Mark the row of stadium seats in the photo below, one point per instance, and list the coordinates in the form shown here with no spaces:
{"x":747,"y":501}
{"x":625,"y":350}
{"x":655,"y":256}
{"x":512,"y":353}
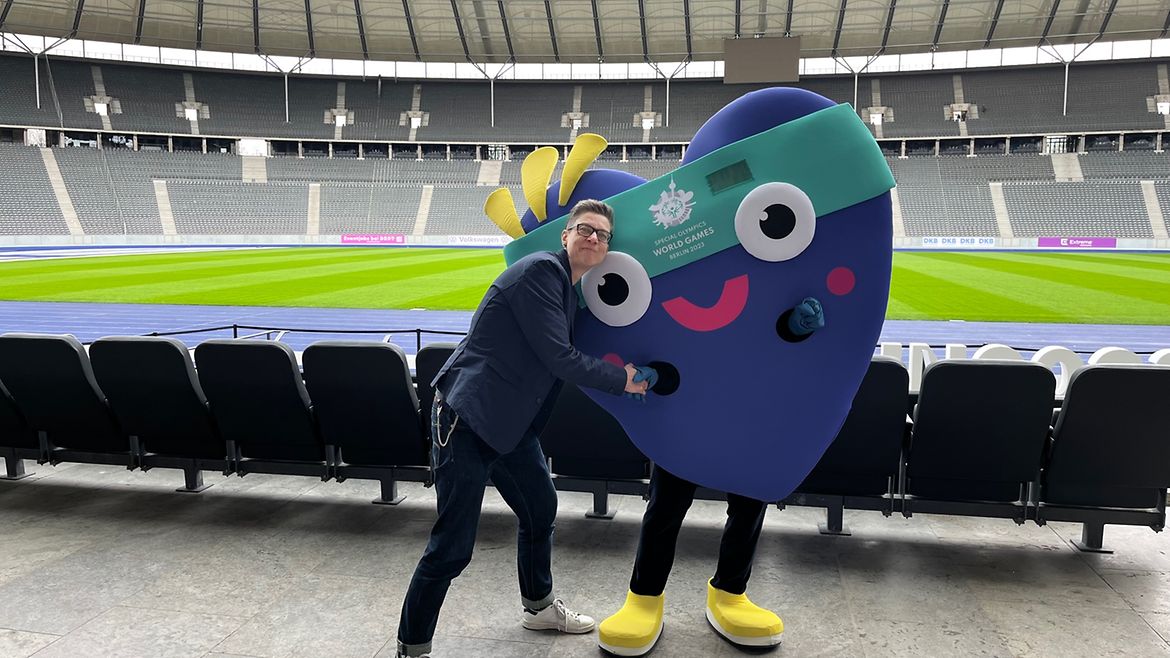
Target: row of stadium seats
{"x":113,"y":191}
{"x":1112,"y":96}
{"x":984,"y":439}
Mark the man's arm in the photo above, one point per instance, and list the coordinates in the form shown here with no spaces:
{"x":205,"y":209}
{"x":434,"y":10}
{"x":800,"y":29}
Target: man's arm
{"x":537,"y":303}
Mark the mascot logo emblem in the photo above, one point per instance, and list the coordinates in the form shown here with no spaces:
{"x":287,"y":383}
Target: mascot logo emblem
{"x":673,"y":207}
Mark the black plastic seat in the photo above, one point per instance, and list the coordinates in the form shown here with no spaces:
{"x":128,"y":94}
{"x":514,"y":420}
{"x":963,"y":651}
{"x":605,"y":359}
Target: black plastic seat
{"x":861,"y":469}
{"x":978,"y":439}
{"x":367,"y":410}
{"x":427,"y":364}
{"x":589,"y":451}
{"x":18,"y":441}
{"x":1109,"y":459}
{"x":153,"y":390}
{"x":52,"y":382}
{"x":261,"y":406}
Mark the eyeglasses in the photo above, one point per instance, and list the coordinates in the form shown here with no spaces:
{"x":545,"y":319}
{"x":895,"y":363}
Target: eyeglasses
{"x":585,"y":230}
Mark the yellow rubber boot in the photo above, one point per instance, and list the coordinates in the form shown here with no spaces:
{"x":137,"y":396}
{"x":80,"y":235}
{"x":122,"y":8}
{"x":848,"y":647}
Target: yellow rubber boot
{"x":633,"y":630}
{"x":740,"y":621}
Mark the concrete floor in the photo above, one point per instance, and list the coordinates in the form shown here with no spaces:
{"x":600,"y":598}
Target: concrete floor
{"x":98,"y":561}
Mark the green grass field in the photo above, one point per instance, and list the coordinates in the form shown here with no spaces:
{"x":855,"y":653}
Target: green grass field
{"x":1012,"y":287}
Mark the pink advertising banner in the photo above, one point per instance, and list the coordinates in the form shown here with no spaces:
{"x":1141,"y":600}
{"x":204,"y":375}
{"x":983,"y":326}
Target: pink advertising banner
{"x":1078,"y":243}
{"x":373,"y":238}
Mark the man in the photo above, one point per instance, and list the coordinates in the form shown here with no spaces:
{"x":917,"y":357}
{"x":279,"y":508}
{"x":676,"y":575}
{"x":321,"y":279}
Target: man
{"x":492,"y":397}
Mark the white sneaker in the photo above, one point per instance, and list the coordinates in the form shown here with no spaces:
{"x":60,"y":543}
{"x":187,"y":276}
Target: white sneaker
{"x":558,"y":617}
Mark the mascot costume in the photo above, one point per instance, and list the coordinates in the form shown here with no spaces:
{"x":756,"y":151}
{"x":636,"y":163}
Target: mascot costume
{"x":754,"y":279}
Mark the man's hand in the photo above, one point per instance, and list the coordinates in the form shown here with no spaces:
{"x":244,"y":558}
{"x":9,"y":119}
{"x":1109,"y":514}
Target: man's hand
{"x":806,"y":317}
{"x":636,"y":382}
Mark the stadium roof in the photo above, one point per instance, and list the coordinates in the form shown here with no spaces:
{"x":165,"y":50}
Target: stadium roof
{"x":581,"y":30}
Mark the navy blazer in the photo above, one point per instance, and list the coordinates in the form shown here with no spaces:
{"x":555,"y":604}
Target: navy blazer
{"x":505,"y":375}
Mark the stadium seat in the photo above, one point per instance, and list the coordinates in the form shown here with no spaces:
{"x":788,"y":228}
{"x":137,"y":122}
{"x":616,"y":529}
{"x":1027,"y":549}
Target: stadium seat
{"x":52,"y":382}
{"x":427,"y":364}
{"x":589,"y":451}
{"x":17,"y":440}
{"x":262,"y":408}
{"x":368,"y":413}
{"x":862,"y":467}
{"x":1109,"y":458}
{"x":978,"y":438}
{"x":155,"y":394}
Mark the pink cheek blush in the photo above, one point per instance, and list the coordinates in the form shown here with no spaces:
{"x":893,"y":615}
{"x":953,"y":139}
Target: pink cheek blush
{"x":614,"y":359}
{"x":840,"y":281}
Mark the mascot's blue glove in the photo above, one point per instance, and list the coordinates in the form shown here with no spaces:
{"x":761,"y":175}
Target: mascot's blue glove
{"x":646,"y":374}
{"x":806,"y":317}
{"x":643,"y":374}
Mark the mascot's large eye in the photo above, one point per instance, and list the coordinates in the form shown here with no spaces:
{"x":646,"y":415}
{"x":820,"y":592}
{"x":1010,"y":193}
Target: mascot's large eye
{"x":618,"y":290}
{"x":775,"y":222}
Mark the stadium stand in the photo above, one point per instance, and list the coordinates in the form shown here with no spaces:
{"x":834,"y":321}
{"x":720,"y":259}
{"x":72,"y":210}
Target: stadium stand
{"x":917,"y":102}
{"x":525,"y":112}
{"x":73,"y":82}
{"x":1089,"y":208}
{"x":457,"y":212}
{"x":611,"y":108}
{"x":934,"y":205}
{"x":21,"y":108}
{"x":368,"y":208}
{"x":27,"y":203}
{"x":267,"y":417}
{"x":238,"y":208}
{"x":147,"y":96}
{"x":1014,"y":100}
{"x":1007,"y":101}
{"x":377,"y":108}
{"x":1108,"y":94}
{"x":91,"y":188}
{"x":462,"y":112}
{"x":249,"y":105}
{"x":113,"y":192}
{"x":1140,"y":165}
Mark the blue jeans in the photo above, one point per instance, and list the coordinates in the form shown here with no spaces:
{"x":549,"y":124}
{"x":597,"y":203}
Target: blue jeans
{"x":462,"y":464}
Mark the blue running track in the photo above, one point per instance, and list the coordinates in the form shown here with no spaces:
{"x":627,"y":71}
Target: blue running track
{"x":89,"y":321}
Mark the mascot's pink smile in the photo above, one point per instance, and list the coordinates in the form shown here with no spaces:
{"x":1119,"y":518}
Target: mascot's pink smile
{"x":731,"y":303}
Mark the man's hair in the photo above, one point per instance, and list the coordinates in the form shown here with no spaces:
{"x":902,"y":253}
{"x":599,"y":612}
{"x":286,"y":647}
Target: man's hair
{"x":594,"y":206}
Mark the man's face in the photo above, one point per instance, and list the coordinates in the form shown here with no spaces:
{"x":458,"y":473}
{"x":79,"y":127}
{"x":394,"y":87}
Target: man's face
{"x":586,"y":252}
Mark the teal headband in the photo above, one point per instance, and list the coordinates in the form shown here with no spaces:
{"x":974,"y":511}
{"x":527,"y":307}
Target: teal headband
{"x":689,"y":213}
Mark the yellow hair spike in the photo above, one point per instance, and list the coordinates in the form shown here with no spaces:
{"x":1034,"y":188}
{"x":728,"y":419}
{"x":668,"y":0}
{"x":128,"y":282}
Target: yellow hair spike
{"x":585,"y":150}
{"x":535,"y":174}
{"x":500,"y":208}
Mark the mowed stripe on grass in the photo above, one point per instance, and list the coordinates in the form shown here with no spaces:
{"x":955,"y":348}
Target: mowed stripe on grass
{"x":325,"y":277}
{"x":1104,"y":288}
{"x":1034,"y":287}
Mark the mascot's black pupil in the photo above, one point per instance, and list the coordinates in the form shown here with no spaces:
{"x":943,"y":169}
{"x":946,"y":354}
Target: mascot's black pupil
{"x":613,"y":289}
{"x":778,"y":221}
